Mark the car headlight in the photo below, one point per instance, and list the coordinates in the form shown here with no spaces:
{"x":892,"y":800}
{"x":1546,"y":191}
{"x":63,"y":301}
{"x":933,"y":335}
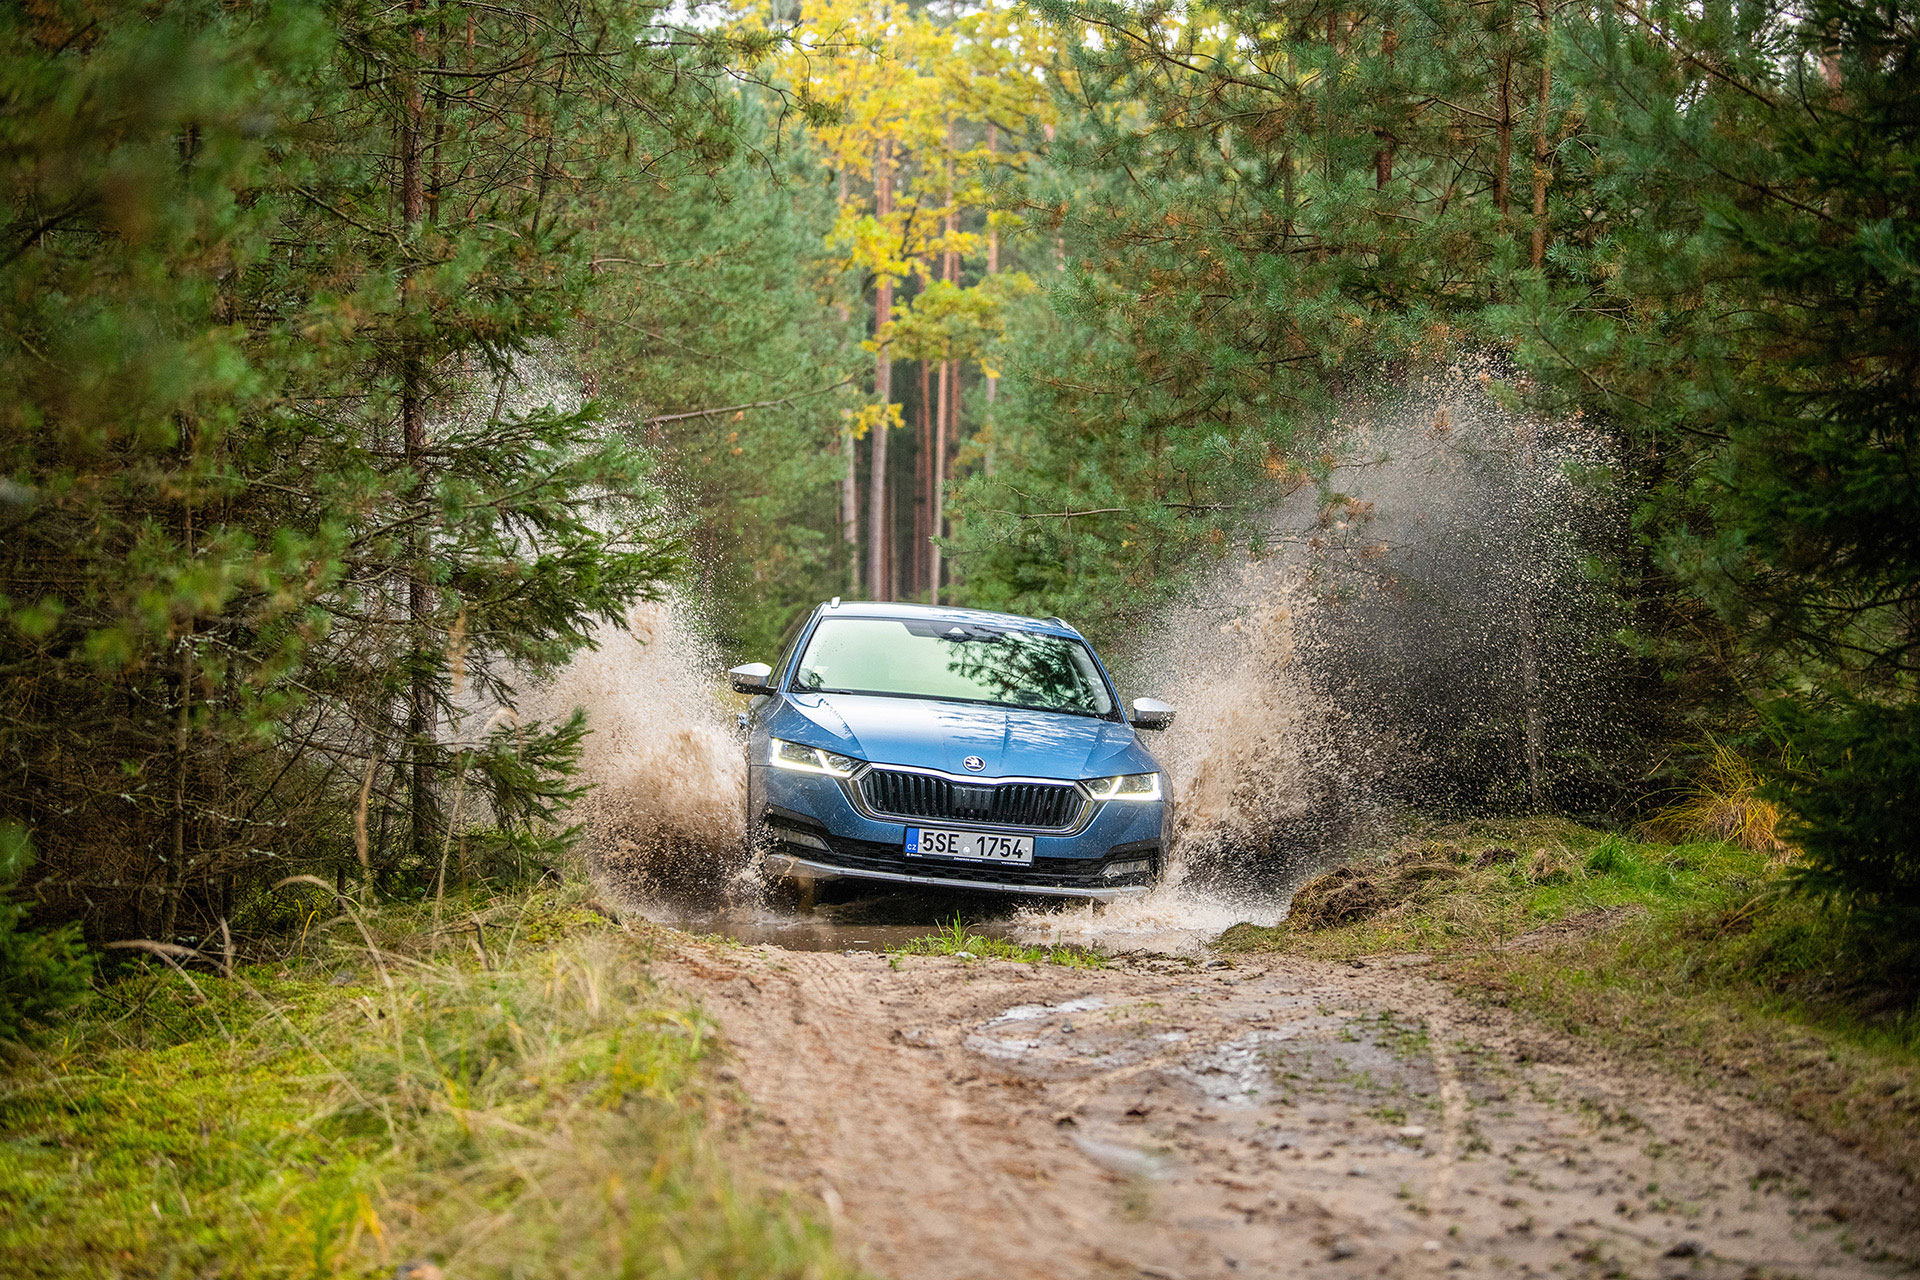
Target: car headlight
{"x":1128,"y":786}
{"x":791,"y":755}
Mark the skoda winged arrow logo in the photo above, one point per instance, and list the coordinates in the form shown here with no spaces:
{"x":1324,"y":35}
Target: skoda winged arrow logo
{"x":974,"y":764}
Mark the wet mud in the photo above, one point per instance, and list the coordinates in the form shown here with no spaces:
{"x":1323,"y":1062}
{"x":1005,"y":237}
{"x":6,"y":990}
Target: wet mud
{"x":1176,"y":919}
{"x":1172,"y":1118}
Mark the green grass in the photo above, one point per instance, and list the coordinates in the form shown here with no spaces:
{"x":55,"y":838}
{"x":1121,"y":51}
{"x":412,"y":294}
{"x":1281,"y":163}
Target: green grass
{"x":1689,"y":954}
{"x":956,"y":939}
{"x":530,"y":1105}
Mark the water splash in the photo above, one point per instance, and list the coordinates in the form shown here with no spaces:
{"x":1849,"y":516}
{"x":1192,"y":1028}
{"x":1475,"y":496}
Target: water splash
{"x":667,"y":812}
{"x":1178,"y":918}
{"x":1417,"y":631}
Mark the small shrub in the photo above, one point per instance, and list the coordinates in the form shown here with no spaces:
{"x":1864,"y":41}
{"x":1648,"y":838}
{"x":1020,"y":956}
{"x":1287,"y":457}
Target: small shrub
{"x":1725,"y":803}
{"x":40,"y":973}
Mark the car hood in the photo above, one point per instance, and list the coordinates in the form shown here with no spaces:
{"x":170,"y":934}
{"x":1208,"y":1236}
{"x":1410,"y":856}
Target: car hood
{"x":941,"y":735}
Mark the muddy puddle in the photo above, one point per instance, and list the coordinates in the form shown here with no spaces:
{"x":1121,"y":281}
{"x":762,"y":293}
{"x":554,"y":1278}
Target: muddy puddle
{"x":800,"y":933}
{"x":849,"y":916}
{"x":1255,"y":1117}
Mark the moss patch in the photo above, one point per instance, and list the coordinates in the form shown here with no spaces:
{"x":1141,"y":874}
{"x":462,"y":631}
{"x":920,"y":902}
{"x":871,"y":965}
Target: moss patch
{"x":957,"y":940}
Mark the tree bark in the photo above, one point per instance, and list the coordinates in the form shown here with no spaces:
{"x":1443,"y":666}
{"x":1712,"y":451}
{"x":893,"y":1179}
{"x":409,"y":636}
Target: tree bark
{"x":176,"y":882}
{"x":414,"y":440}
{"x":922,"y":485}
{"x":1530,"y":691}
{"x":850,"y":460}
{"x":946,"y":425}
{"x":1533,"y":705}
{"x":878,"y":531}
{"x":893,"y":522}
{"x":942,"y":427}
{"x":1503,"y":131}
{"x":1541,"y":148}
{"x":993,"y":269}
{"x":1383,"y":158}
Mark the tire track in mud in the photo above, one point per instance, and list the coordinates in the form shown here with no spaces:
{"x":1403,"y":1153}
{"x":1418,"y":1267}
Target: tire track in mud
{"x":1003,"y":1120}
{"x":1453,"y":1105}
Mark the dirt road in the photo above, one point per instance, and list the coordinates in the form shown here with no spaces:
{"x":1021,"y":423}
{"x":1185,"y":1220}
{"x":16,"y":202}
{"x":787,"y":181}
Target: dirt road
{"x":966,"y":1120}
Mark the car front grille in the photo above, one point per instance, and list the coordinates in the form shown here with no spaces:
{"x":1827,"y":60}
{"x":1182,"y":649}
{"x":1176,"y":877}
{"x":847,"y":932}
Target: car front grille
{"x":1043,"y":806}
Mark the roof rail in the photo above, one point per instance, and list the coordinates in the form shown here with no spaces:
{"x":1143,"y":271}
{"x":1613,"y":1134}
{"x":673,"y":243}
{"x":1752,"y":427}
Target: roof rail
{"x":1061,"y":622}
{"x":834,"y":603}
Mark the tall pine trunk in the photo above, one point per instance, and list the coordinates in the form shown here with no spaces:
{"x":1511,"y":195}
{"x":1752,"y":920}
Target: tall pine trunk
{"x":993,"y":269}
{"x":850,"y":461}
{"x":941,"y":429}
{"x":413,"y":432}
{"x":1383,"y":158}
{"x":878,"y":531}
{"x":1542,"y":148}
{"x":1530,"y":691}
{"x":946,"y":424}
{"x":1503,"y":147}
{"x":922,"y":484}
{"x":176,"y":880}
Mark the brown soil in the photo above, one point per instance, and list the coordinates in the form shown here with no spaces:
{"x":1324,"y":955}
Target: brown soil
{"x":1274,"y":1118}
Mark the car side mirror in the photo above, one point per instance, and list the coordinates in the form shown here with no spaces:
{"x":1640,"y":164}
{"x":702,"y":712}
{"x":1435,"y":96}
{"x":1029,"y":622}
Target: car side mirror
{"x":1151,"y":713}
{"x":751,"y":677}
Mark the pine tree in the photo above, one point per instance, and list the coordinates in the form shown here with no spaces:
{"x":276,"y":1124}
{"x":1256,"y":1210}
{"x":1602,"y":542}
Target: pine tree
{"x":1255,"y":208}
{"x":292,"y":510}
{"x":714,"y":326}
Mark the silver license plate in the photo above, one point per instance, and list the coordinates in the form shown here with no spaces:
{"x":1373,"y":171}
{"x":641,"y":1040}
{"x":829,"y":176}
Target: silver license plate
{"x":969,"y":846}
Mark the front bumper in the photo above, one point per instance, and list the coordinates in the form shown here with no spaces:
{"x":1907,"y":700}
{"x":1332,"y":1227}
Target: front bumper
{"x":811,"y":827}
{"x":786,"y":864}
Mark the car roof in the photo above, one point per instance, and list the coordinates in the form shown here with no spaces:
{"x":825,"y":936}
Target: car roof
{"x":943,"y":613}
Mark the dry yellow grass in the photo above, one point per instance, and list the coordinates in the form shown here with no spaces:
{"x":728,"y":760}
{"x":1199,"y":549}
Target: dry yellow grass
{"x":1724,"y":803}
{"x":509,"y":1094}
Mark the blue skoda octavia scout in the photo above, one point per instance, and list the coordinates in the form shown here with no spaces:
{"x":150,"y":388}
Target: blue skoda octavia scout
{"x":954,"y":748}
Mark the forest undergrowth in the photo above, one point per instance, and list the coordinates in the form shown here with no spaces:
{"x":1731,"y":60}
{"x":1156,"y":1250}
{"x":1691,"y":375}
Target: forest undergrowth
{"x":497,"y":1086}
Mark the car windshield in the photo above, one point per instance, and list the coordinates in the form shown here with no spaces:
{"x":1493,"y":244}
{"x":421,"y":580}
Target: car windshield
{"x":960,"y":662}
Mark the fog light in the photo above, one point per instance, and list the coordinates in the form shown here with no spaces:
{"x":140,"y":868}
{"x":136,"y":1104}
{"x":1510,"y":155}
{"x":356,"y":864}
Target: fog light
{"x":1132,"y":868}
{"x":786,"y":835}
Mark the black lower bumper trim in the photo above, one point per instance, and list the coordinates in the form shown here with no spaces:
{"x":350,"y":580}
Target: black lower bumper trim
{"x":789,"y":864}
{"x":822,"y":850}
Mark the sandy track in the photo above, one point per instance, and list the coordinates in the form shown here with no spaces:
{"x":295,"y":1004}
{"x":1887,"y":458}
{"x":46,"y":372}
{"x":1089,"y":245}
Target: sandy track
{"x":964,"y":1121}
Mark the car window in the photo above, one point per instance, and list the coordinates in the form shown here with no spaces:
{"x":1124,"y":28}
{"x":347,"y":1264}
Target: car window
{"x":929,"y":658}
